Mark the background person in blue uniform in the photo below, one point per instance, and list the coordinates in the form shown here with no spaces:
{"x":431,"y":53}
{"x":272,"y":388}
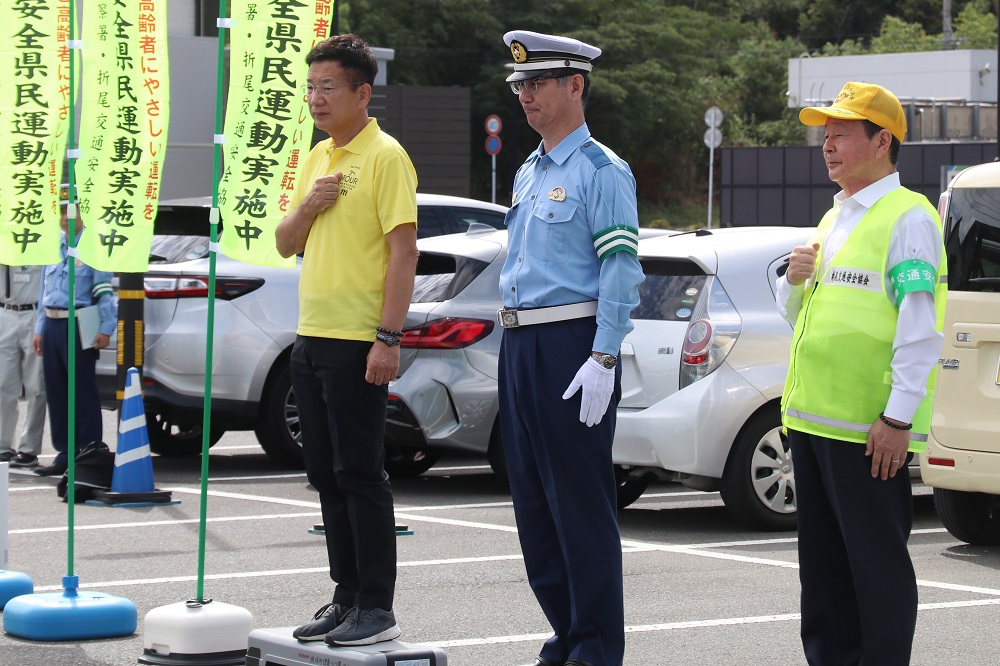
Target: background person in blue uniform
{"x":850,"y":424}
{"x":51,"y":342}
{"x":568,"y":285}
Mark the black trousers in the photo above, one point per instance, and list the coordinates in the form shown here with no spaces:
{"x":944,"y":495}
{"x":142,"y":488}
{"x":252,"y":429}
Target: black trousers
{"x":563,"y":486}
{"x":859,"y":590}
{"x":343,"y":426}
{"x":89,"y":426}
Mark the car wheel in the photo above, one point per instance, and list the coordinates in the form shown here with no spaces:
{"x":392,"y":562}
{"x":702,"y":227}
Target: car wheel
{"x":630,"y":488}
{"x":496,"y":456}
{"x":970,"y":517}
{"x":172,"y":439}
{"x":403,"y":462}
{"x":277,"y":429}
{"x":758,"y":487}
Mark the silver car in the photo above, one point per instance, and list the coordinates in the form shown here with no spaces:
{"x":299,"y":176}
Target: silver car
{"x":256,"y":313}
{"x":702,"y":372}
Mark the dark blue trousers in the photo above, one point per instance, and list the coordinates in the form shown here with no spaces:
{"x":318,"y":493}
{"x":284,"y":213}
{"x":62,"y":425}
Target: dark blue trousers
{"x":55,"y":367}
{"x":343,"y":429}
{"x":859,"y":590}
{"x":563,"y":486}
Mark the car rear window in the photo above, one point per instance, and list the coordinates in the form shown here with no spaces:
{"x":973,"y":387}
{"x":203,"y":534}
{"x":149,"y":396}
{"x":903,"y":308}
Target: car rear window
{"x":443,"y":276}
{"x":670,"y":290}
{"x":169,"y":249}
{"x":972,"y":239}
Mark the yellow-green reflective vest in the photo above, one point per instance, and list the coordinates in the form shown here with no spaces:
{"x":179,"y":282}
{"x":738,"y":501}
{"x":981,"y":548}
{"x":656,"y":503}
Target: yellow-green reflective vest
{"x":839,"y":377}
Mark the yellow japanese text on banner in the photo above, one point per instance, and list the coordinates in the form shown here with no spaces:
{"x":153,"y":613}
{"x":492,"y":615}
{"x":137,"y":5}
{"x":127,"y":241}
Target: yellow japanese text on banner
{"x":34,"y":122}
{"x":268,"y":127}
{"x":123,"y":135}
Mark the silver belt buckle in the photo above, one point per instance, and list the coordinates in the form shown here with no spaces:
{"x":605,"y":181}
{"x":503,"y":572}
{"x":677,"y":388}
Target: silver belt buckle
{"x":507,"y":318}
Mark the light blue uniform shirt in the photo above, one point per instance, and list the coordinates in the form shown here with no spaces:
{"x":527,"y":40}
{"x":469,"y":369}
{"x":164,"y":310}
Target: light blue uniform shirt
{"x":92,"y":286}
{"x":567,"y":206}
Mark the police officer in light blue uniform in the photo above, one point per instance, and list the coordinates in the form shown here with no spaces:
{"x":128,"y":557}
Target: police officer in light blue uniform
{"x":569,"y":284}
{"x":51,"y":342}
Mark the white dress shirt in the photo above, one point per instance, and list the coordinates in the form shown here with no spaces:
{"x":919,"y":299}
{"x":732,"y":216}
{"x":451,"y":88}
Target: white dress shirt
{"x":917,"y":344}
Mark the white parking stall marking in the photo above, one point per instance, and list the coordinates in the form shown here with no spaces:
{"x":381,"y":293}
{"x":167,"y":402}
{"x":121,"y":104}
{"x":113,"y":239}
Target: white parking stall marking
{"x":692,"y":624}
{"x":166,"y":523}
{"x":412,"y":513}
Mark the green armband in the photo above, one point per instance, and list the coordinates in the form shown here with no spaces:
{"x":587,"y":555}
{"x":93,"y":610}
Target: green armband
{"x":911,"y":275}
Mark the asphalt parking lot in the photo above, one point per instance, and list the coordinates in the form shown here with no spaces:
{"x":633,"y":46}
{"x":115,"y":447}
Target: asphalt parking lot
{"x":699,"y":588}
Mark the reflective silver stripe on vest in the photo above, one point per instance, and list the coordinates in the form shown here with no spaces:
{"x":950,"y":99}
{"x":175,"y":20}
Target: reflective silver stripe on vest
{"x":842,"y":425}
{"x":943,"y":279}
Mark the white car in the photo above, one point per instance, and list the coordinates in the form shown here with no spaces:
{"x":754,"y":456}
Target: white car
{"x":703,"y":372}
{"x":256,"y":312}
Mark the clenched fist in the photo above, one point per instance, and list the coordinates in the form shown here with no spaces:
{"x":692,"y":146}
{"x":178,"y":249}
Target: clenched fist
{"x":802,"y":264}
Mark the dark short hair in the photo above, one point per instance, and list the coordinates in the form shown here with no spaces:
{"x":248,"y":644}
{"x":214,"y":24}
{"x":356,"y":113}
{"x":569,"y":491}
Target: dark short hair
{"x":566,"y":72}
{"x":871,"y":129}
{"x":351,"y":52}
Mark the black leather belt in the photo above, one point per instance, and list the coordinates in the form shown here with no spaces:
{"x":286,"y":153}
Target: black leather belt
{"x":19,"y":308}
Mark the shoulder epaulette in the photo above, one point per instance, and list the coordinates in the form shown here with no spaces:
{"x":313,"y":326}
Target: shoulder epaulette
{"x":595,"y":154}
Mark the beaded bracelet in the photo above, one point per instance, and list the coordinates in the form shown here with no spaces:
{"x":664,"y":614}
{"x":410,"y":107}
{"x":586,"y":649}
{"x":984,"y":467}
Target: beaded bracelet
{"x":387,"y":340}
{"x":893,"y":425}
{"x":385,"y":331}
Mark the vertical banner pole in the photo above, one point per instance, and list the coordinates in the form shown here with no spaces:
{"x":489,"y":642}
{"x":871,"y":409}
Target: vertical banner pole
{"x":71,"y":329}
{"x":206,"y":423}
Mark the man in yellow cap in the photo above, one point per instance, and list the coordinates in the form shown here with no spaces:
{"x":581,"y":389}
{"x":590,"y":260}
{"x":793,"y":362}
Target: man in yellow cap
{"x":866,"y":298}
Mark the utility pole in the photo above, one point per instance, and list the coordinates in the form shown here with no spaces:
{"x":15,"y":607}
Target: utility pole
{"x":946,"y":32}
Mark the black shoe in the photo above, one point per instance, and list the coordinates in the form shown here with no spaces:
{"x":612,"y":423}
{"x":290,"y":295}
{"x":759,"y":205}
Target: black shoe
{"x":55,"y":469}
{"x":578,"y":662}
{"x":364,"y":627}
{"x":324,"y":621}
{"x":24,"y":460}
{"x":542,"y":661}
{"x":6,"y":456}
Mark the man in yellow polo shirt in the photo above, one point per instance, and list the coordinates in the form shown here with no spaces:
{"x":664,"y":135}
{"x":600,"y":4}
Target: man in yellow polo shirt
{"x":354,"y":215}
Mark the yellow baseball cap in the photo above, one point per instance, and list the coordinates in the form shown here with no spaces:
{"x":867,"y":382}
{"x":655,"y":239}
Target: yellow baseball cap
{"x":861,"y":101}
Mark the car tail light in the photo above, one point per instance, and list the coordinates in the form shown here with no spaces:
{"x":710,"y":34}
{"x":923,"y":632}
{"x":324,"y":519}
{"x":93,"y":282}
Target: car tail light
{"x":196,"y":286}
{"x":447,"y":333}
{"x":941,"y":462}
{"x":715,"y":325}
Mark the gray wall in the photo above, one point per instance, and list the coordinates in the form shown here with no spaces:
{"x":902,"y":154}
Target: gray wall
{"x":432,"y":124}
{"x":789,"y":186}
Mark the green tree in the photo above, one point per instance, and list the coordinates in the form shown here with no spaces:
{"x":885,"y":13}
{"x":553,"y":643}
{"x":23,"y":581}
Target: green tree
{"x":898,"y":36}
{"x":975,"y":27}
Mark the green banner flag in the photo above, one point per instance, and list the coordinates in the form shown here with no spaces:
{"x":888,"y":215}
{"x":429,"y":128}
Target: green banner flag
{"x":268,"y":129}
{"x":123,"y":131}
{"x":34,"y":122}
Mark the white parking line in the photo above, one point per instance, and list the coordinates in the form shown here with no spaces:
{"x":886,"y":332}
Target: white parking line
{"x":165,"y":523}
{"x":692,"y":624}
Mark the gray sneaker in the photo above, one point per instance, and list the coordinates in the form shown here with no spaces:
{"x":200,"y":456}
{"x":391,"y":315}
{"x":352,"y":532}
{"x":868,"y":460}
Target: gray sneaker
{"x":364,"y":627}
{"x":324,"y":621}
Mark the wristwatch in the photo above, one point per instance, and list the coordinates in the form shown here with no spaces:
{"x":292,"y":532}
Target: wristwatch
{"x":609,"y":361}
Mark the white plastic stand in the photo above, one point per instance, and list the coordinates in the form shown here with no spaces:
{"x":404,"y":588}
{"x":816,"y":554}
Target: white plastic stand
{"x":191,"y":633}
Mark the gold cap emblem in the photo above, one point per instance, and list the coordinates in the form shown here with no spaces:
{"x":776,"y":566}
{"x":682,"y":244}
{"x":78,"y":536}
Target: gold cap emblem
{"x":519,"y":53}
{"x":558,"y":194}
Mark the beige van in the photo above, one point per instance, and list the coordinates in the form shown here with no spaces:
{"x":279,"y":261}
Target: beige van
{"x":962,"y":460}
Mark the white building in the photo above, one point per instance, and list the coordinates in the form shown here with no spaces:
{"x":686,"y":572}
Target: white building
{"x":948,"y":95}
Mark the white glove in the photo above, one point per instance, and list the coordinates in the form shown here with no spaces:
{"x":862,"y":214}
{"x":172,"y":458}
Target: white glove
{"x":597,"y":383}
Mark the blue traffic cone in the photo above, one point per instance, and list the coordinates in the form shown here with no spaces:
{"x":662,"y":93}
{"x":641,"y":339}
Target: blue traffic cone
{"x":132,"y":481}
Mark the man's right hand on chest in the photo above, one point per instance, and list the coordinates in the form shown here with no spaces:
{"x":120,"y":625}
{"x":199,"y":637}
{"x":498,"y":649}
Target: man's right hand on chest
{"x":324,"y":193}
{"x":801,"y":264}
